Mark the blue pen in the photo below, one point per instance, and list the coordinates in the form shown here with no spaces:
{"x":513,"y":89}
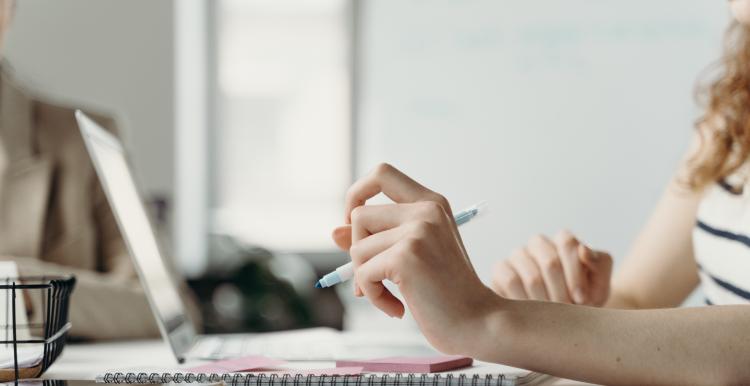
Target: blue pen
{"x":346,"y":271}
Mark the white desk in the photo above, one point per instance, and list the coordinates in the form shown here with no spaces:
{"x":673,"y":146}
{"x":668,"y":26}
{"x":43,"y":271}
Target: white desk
{"x":83,"y":362}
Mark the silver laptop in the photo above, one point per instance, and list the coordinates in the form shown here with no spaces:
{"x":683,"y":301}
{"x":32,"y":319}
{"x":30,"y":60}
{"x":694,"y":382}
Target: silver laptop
{"x":111,"y":164}
{"x":110,"y":161}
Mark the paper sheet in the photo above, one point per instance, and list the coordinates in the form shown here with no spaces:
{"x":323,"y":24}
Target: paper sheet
{"x":28,"y":356}
{"x":248,"y":363}
{"x":327,"y":372}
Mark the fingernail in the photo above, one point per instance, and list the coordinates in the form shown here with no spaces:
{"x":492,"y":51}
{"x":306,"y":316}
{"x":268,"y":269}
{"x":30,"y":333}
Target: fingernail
{"x":578,"y":296}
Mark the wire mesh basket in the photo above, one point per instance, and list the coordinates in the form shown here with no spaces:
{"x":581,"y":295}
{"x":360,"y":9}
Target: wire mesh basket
{"x":33,"y":346}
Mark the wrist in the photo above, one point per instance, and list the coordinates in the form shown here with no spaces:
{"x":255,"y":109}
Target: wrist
{"x":488,"y":327}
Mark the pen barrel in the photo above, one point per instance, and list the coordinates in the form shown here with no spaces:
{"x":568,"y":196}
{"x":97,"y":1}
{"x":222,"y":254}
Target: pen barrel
{"x":346,"y":271}
{"x":464,"y":217}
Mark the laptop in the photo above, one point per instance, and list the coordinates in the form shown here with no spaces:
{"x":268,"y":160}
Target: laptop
{"x":110,"y":161}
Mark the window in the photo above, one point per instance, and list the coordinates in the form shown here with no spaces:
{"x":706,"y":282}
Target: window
{"x":281,"y":142}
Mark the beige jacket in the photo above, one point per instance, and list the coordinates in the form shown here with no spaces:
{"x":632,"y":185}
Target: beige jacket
{"x":55,"y":219}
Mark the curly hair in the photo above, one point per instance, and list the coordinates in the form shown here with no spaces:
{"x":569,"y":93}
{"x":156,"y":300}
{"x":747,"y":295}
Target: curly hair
{"x":724,"y":127}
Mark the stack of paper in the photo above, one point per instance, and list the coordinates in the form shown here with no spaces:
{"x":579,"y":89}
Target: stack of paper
{"x":27,"y":356}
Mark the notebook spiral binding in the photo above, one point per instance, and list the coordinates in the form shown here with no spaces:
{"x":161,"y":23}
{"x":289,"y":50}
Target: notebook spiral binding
{"x":313,"y":380}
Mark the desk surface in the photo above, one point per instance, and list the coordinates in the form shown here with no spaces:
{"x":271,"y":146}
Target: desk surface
{"x":86,"y":361}
{"x":83,"y":362}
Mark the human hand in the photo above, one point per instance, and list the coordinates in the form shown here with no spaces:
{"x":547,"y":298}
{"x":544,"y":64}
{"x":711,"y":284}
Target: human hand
{"x":415,"y":244}
{"x":397,"y":186}
{"x":561,"y":270}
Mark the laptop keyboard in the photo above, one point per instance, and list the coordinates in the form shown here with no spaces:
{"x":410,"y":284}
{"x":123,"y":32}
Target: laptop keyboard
{"x":316,"y":346}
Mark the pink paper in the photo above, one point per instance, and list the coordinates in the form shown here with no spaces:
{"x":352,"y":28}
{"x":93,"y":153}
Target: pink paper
{"x":410,"y":364}
{"x":236,"y":365}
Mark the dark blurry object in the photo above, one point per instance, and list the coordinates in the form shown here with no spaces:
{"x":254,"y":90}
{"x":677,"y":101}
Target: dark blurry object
{"x":245,"y":289}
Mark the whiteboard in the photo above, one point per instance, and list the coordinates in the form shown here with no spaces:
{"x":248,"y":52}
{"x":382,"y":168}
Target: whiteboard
{"x":562,"y":114}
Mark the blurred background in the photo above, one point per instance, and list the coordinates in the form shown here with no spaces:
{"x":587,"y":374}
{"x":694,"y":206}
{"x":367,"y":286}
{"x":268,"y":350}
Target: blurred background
{"x":248,"y":119}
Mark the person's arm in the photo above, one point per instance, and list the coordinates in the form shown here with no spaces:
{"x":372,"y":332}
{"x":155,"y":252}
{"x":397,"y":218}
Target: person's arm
{"x":663,"y":251}
{"x":415,"y":244}
{"x":564,"y":269}
{"x":706,"y":345}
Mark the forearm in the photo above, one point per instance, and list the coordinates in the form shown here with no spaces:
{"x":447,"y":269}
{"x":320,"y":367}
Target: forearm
{"x":708,"y":345}
{"x":622,"y":300}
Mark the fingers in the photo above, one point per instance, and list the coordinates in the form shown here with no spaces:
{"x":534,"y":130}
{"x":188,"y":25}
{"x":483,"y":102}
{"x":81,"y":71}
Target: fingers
{"x":596,"y":261}
{"x":342,"y":236}
{"x":573,"y":270}
{"x":367,"y":248}
{"x":375,"y":222}
{"x":530,"y":274}
{"x":370,"y":277}
{"x":545,"y":255}
{"x":371,"y":219}
{"x":364,"y":249}
{"x":376,"y":228}
{"x":507,"y":283}
{"x":390,"y":181}
{"x":563,"y":270}
{"x":599,"y":265}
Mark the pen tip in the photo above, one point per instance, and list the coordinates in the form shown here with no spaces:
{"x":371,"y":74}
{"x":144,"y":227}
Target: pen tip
{"x":317,"y":285}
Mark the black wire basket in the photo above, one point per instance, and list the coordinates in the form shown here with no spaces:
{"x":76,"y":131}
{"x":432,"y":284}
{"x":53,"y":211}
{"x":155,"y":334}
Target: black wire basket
{"x":47,"y":334}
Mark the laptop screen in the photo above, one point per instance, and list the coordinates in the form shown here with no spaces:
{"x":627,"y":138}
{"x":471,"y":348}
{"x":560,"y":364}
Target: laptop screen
{"x":115,"y":175}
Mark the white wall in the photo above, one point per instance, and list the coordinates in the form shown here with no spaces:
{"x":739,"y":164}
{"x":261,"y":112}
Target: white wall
{"x":114,"y":55}
{"x":562,"y":114}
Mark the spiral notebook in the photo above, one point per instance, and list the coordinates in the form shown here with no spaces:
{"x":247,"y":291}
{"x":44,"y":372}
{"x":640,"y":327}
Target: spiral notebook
{"x":482,"y":374}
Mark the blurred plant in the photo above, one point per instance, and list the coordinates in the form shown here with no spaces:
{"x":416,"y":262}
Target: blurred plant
{"x":240,"y":291}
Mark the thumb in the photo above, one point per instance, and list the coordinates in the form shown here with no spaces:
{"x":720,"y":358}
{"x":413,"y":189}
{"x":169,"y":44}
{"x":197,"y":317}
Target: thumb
{"x":342,"y":236}
{"x":599,"y":265}
{"x":596,"y":261}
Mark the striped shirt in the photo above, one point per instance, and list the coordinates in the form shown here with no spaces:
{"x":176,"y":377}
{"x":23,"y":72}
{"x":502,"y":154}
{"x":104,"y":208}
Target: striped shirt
{"x":721,"y":241}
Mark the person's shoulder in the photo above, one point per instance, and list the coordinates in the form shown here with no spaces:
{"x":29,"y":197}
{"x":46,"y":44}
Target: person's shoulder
{"x":59,"y":136}
{"x":51,"y":115}
{"x":60,"y":116}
